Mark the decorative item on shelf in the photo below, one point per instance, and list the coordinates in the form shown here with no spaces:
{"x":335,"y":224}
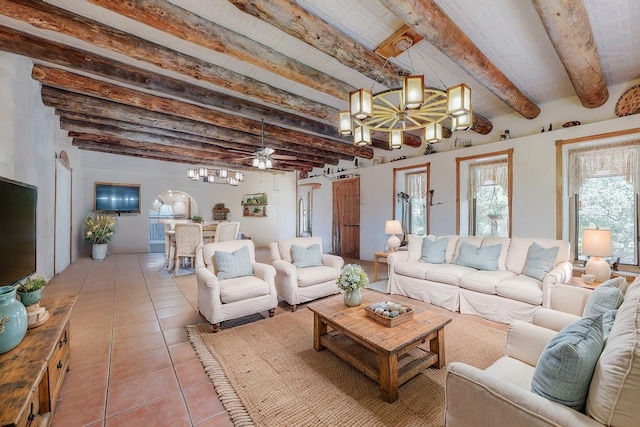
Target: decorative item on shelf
{"x":351,"y":280}
{"x":220,"y":212}
{"x":505,"y":135}
{"x":629,"y":102}
{"x":411,"y":107}
{"x":570,"y":124}
{"x":13,"y":319}
{"x":596,"y":243}
{"x":393,"y":227}
{"x":29,"y":290}
{"x":389,"y":313}
{"x":197,"y":219}
{"x":215,"y":176}
{"x":429,"y":149}
{"x":100,"y":230}
{"x":254,"y":204}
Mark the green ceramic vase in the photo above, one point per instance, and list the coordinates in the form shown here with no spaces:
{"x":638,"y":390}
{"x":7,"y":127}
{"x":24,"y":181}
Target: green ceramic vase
{"x":29,"y":298}
{"x":13,"y":319}
{"x":352,"y":298}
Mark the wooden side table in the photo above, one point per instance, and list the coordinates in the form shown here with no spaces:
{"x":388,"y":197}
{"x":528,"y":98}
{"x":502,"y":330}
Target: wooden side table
{"x":577,"y":281}
{"x":376,"y":259}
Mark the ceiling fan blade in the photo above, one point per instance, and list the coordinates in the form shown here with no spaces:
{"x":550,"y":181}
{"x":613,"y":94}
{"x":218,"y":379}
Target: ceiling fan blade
{"x":268,"y":151}
{"x":283,"y":157}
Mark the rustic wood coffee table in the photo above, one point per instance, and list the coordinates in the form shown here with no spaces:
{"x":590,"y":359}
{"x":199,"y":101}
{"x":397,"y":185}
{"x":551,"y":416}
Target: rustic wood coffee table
{"x":390,"y":356}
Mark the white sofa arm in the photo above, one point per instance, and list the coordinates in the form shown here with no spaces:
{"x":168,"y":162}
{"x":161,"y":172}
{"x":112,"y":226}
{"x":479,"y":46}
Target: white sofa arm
{"x":333,"y":261}
{"x":526,"y":342}
{"x":265,"y":272}
{"x":553,"y":319}
{"x":561,"y":273}
{"x":569,"y":298}
{"x":396,"y":257}
{"x":475,"y":398}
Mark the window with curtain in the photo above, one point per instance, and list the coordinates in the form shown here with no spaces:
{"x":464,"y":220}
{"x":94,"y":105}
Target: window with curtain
{"x":489,"y":198}
{"x":603,"y":189}
{"x":416,"y":204}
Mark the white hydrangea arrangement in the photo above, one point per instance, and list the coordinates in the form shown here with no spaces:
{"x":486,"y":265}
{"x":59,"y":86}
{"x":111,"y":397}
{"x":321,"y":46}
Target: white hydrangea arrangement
{"x":352,"y":277}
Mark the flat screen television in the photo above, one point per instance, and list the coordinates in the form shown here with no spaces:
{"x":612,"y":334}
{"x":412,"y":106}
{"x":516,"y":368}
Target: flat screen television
{"x":121,"y":198}
{"x":18,"y":237}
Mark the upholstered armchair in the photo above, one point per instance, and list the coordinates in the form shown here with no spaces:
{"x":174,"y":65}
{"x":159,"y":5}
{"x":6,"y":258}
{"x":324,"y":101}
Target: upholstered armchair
{"x":304,"y":273}
{"x":231,"y":283}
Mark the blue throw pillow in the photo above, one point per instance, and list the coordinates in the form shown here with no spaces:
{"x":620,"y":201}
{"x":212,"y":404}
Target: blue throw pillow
{"x":483,"y":258}
{"x":565,"y":367}
{"x":605,"y":297}
{"x":433,"y":251}
{"x":234,"y":264}
{"x":540,"y":261}
{"x":306,"y":257}
{"x":608,"y":319}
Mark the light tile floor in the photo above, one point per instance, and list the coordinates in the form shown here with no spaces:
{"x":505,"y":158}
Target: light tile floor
{"x":131,"y":360}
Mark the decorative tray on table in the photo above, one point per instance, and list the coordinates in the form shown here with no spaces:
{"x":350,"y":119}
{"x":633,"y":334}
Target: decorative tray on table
{"x":389,"y":313}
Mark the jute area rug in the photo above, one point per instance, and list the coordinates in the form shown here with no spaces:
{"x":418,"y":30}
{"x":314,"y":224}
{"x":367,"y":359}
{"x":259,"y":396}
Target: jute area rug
{"x":268,"y":374}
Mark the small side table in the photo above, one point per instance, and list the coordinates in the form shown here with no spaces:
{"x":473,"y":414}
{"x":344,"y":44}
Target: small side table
{"x":376,"y":259}
{"x":577,"y":281}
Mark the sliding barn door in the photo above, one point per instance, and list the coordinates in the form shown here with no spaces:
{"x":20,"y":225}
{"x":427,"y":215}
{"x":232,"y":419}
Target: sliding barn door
{"x":346,"y":217}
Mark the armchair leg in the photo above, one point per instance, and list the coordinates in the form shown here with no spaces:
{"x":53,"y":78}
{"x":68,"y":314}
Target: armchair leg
{"x":272,"y":312}
{"x":294,"y":307}
{"x":216,"y":327}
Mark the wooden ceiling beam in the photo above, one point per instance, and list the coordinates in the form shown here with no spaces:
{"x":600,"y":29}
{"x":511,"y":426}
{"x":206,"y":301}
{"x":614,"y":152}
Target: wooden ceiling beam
{"x":80,"y":84}
{"x":567,"y":24}
{"x":427,"y":19}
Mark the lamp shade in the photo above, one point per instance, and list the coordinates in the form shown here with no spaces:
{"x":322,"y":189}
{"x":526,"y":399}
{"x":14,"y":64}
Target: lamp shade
{"x":413,"y":91}
{"x":393,"y":226}
{"x":360,"y":104}
{"x":596,"y":242}
{"x":345,"y":124}
{"x":395,"y":139}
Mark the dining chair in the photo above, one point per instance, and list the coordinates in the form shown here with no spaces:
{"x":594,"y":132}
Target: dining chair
{"x":226,"y":231}
{"x":188,"y":238}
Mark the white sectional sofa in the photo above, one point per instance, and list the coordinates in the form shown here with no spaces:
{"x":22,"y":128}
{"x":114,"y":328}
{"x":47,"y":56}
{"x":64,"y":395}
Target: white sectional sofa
{"x":498,"y":290}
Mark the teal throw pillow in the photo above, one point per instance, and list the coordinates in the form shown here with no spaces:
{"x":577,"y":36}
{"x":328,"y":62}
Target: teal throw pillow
{"x":565,"y":367}
{"x":540,"y":261}
{"x":306,"y":257}
{"x":482,"y":258}
{"x":605,"y":297}
{"x":433,"y":251}
{"x":607,"y":322}
{"x":234,"y":264}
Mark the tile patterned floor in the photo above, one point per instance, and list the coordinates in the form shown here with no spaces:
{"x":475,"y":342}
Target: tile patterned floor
{"x":131,"y":361}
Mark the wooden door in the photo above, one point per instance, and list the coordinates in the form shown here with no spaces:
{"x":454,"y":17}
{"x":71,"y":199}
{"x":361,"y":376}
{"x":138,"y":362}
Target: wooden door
{"x":346,"y":217}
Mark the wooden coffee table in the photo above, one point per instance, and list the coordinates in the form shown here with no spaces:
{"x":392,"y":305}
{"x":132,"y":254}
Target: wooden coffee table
{"x":390,"y":356}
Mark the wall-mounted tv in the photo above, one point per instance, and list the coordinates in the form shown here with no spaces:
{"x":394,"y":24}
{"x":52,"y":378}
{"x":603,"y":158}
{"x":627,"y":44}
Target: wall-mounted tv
{"x":18,"y":237}
{"x":121,"y":198}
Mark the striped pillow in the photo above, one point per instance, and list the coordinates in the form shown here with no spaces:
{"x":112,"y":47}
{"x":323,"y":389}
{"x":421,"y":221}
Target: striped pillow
{"x":306,"y":257}
{"x":234,"y":264}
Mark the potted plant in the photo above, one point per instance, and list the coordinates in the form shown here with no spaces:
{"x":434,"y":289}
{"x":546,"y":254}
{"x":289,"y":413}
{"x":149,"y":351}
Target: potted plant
{"x":352,"y":278}
{"x":29,"y":290}
{"x":100,"y":230}
{"x":197,"y":219}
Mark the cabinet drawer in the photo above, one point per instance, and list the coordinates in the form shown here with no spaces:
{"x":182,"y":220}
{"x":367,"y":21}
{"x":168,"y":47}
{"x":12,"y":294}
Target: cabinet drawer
{"x":30,"y":414}
{"x":58,"y":364}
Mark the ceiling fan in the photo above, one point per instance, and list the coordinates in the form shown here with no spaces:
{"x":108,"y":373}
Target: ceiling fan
{"x":264,"y":157}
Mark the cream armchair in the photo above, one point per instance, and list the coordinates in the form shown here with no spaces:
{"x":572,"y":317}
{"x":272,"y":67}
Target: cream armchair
{"x":300,"y":284}
{"x":253,"y":291}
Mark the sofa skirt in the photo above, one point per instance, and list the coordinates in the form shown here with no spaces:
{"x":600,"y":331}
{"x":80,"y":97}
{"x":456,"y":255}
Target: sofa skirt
{"x":440,"y":294}
{"x":496,"y":308}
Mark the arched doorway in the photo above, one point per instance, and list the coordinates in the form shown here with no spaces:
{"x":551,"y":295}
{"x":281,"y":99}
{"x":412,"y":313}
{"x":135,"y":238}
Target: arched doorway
{"x":168,"y":205}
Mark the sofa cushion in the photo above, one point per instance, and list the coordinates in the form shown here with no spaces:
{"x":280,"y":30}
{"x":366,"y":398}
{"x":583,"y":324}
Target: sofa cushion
{"x":521,"y":288}
{"x":311,"y":256}
{"x":540,"y":261}
{"x":284,"y":246}
{"x":433,"y":251}
{"x":233,"y":264}
{"x":519,"y":249}
{"x":484,"y":281}
{"x":242,"y":289}
{"x":449,"y":274}
{"x":505,"y":242}
{"x":615,"y":387}
{"x":605,"y":297}
{"x":566,"y":365}
{"x":414,"y":247}
{"x":311,"y":276}
{"x":414,"y":269}
{"x":482,"y":258}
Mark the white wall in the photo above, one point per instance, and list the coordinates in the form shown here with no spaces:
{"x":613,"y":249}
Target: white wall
{"x":30,"y":137}
{"x":155,"y":177}
{"x":534,"y":177}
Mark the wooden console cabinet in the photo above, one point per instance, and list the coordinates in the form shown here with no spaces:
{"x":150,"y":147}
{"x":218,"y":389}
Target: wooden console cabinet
{"x":31,"y":374}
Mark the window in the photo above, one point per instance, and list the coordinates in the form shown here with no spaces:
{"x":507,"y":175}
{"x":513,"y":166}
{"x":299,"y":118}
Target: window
{"x":411,"y":199}
{"x":603,"y":188}
{"x":484,"y":185}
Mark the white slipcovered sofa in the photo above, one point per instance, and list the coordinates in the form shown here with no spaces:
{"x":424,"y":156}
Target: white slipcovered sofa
{"x":501,"y":395}
{"x":503,"y":291}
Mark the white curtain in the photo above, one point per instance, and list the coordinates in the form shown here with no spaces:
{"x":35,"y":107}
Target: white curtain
{"x":603,"y":161}
{"x":494,"y":172}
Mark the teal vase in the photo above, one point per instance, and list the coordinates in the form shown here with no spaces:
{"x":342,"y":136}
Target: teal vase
{"x":13,"y":319}
{"x":352,"y":298}
{"x":29,"y":298}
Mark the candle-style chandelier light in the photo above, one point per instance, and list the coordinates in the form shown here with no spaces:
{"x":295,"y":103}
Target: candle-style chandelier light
{"x":215,"y":176}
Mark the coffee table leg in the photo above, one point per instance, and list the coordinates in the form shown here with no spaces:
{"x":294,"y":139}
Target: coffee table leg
{"x":388,"y":366}
{"x":319,"y":329}
{"x":436,"y":346}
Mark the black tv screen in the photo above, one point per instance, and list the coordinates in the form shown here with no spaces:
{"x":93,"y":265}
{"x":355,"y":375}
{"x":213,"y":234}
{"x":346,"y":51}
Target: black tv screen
{"x":18,"y":236}
{"x":117,"y":197}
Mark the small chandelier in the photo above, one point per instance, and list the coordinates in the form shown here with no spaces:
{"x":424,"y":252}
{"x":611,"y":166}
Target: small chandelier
{"x":215,"y":176}
{"x":408,"y":108}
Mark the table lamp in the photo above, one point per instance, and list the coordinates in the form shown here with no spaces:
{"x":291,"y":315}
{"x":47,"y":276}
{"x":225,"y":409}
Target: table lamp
{"x":393,"y":227}
{"x":597,"y":243}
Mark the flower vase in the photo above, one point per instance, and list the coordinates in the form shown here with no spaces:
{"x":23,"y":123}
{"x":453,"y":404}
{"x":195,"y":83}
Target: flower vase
{"x":352,"y":298}
{"x":29,"y":298}
{"x":13,"y":319}
{"x":99,"y":251}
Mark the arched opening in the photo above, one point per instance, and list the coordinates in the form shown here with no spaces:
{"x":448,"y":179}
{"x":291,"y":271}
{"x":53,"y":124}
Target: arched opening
{"x":170,"y":205}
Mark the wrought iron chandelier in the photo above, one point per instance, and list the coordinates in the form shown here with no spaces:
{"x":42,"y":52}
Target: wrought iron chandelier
{"x":215,"y":176}
{"x":408,"y":108}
